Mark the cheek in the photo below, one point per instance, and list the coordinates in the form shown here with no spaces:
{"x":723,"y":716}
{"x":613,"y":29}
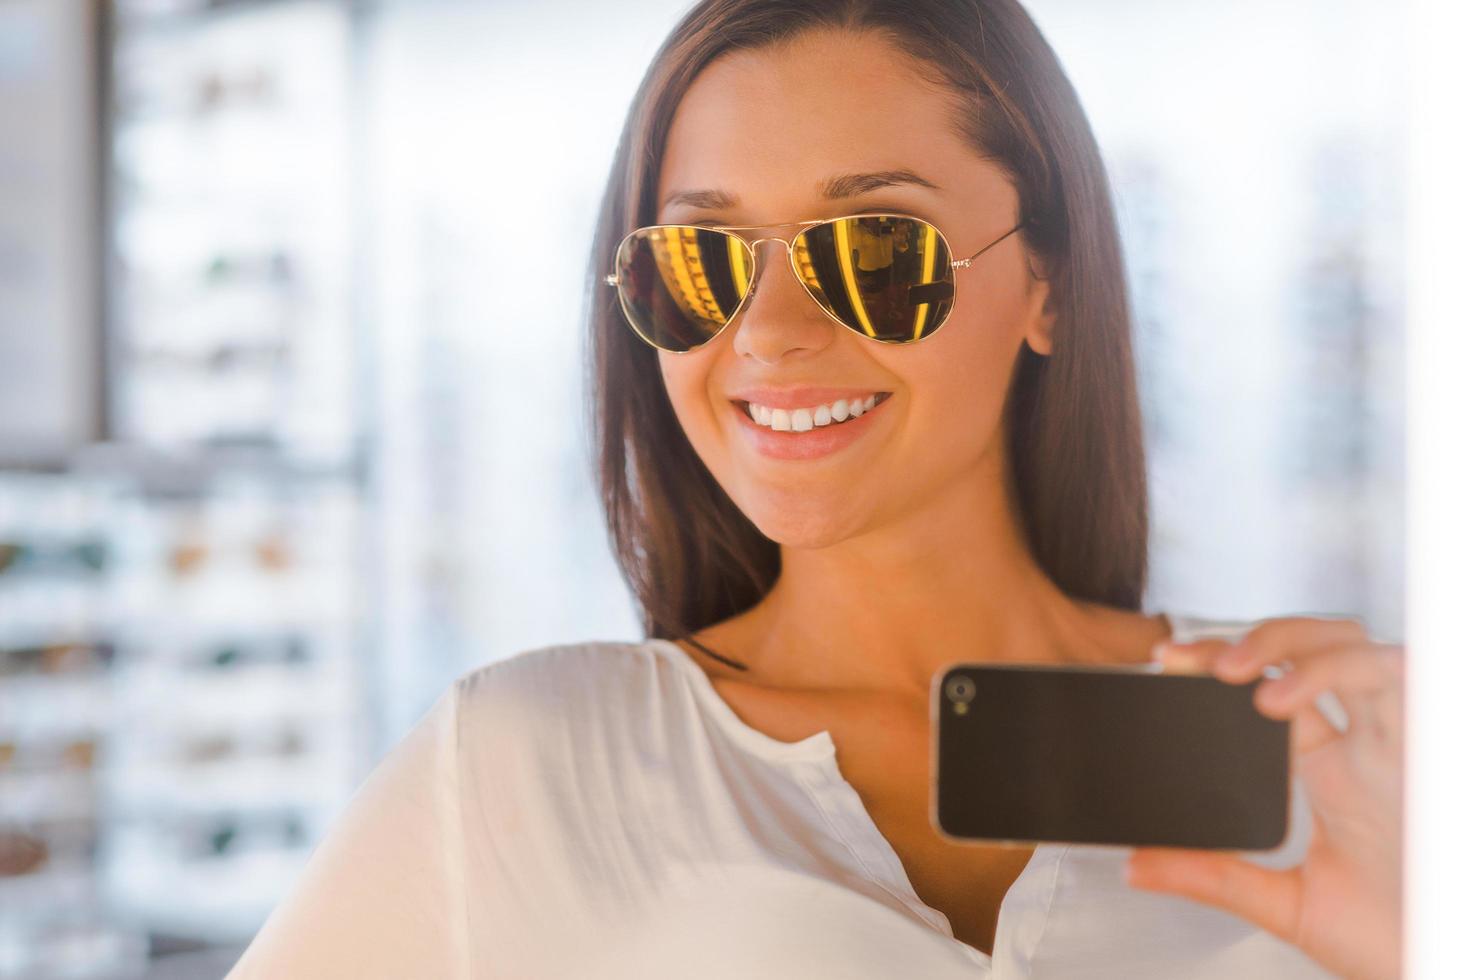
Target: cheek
{"x":686,"y":380}
{"x":962,"y":371}
{"x":957,"y":389}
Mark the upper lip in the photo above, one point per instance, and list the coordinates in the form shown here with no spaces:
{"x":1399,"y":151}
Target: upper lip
{"x":799,"y":396}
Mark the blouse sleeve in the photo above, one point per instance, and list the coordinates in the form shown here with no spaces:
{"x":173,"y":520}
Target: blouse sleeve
{"x":382,"y":896}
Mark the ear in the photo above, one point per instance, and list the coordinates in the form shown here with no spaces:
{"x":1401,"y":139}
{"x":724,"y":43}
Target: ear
{"x":1041,"y":317}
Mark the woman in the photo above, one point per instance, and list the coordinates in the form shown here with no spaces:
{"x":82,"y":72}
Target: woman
{"x":836,"y":456}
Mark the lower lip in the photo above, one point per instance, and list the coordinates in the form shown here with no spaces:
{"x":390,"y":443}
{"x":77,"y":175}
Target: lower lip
{"x":822,"y":440}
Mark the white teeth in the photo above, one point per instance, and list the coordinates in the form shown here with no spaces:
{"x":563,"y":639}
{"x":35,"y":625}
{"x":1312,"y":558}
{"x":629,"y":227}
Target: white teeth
{"x":804,"y":419}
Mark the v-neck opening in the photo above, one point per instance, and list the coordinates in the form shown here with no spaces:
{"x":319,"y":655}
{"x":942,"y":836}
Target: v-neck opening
{"x":861,"y":836}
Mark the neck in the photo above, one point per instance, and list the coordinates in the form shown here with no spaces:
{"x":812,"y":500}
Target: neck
{"x":887,"y":609}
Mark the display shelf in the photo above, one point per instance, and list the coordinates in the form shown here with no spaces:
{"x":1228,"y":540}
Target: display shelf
{"x":215,"y":899}
{"x":230,"y":228}
{"x":225,"y":510}
{"x":74,"y":885}
{"x":56,"y":660}
{"x":241,"y":705}
{"x":33,"y":797}
{"x":41,"y":706}
{"x":185,"y":714}
{"x":240,"y":708}
{"x":255,"y":786}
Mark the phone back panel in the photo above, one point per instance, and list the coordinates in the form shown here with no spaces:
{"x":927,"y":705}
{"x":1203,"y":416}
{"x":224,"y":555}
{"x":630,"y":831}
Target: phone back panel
{"x":1108,"y":756}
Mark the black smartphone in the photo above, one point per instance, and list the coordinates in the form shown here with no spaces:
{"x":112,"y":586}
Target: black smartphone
{"x":1106,"y":755}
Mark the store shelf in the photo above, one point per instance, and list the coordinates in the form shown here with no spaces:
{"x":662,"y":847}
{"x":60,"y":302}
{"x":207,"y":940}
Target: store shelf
{"x":172,"y":787}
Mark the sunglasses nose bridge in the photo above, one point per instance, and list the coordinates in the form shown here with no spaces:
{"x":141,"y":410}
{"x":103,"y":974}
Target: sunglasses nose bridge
{"x":755,"y":252}
{"x":754,"y":245}
{"x":791,"y":263}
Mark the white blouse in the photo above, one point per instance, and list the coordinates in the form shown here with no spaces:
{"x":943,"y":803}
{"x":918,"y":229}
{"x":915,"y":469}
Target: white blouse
{"x":598,"y":810}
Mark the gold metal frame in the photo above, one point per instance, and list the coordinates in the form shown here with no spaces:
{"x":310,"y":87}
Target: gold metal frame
{"x":789,"y":243}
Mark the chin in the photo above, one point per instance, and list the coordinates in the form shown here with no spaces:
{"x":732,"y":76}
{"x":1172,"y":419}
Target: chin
{"x":809,"y":525}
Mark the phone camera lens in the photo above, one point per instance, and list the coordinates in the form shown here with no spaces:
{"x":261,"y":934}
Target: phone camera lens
{"x":960,"y":689}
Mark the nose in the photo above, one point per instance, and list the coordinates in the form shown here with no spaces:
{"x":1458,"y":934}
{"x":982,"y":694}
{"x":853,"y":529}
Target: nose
{"x":779,"y":316}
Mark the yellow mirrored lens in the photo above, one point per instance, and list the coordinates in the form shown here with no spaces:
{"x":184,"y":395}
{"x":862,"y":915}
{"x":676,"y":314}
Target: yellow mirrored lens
{"x":740,"y":261}
{"x":888,"y":277}
{"x":680,"y":284}
{"x":856,"y":249}
{"x":681,"y":266}
{"x":921,"y":313}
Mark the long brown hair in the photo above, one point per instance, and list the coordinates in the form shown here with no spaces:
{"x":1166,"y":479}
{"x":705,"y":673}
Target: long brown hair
{"x":1072,"y":424}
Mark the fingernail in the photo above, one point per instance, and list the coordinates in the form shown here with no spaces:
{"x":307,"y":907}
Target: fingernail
{"x":1160,"y":650}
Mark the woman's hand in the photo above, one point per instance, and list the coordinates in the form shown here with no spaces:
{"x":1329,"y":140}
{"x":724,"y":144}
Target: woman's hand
{"x":1342,"y":904}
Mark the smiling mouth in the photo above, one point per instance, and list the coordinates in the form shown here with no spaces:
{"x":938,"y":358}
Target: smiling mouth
{"x":809,"y":418}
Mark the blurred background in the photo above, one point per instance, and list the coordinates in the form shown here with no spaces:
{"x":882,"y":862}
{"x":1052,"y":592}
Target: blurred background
{"x":290,"y":391}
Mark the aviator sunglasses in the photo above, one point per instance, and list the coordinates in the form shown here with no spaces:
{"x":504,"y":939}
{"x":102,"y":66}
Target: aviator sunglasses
{"x":889,"y":277}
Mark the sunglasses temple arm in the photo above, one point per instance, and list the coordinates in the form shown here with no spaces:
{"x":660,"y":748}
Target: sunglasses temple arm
{"x":964,"y":263}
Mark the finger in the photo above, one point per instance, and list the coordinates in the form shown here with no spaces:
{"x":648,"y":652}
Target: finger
{"x":1196,"y":657}
{"x":1200,"y":657}
{"x":1269,"y":898}
{"x":1309,"y":730}
{"x":1356,"y":675}
{"x":1291,"y":640}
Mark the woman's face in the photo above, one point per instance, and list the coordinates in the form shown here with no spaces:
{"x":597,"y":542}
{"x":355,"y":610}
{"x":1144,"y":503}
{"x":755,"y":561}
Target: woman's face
{"x":768,"y":129}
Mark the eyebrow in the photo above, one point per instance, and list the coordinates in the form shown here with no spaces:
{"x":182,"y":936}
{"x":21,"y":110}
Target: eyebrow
{"x":835,"y":188}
